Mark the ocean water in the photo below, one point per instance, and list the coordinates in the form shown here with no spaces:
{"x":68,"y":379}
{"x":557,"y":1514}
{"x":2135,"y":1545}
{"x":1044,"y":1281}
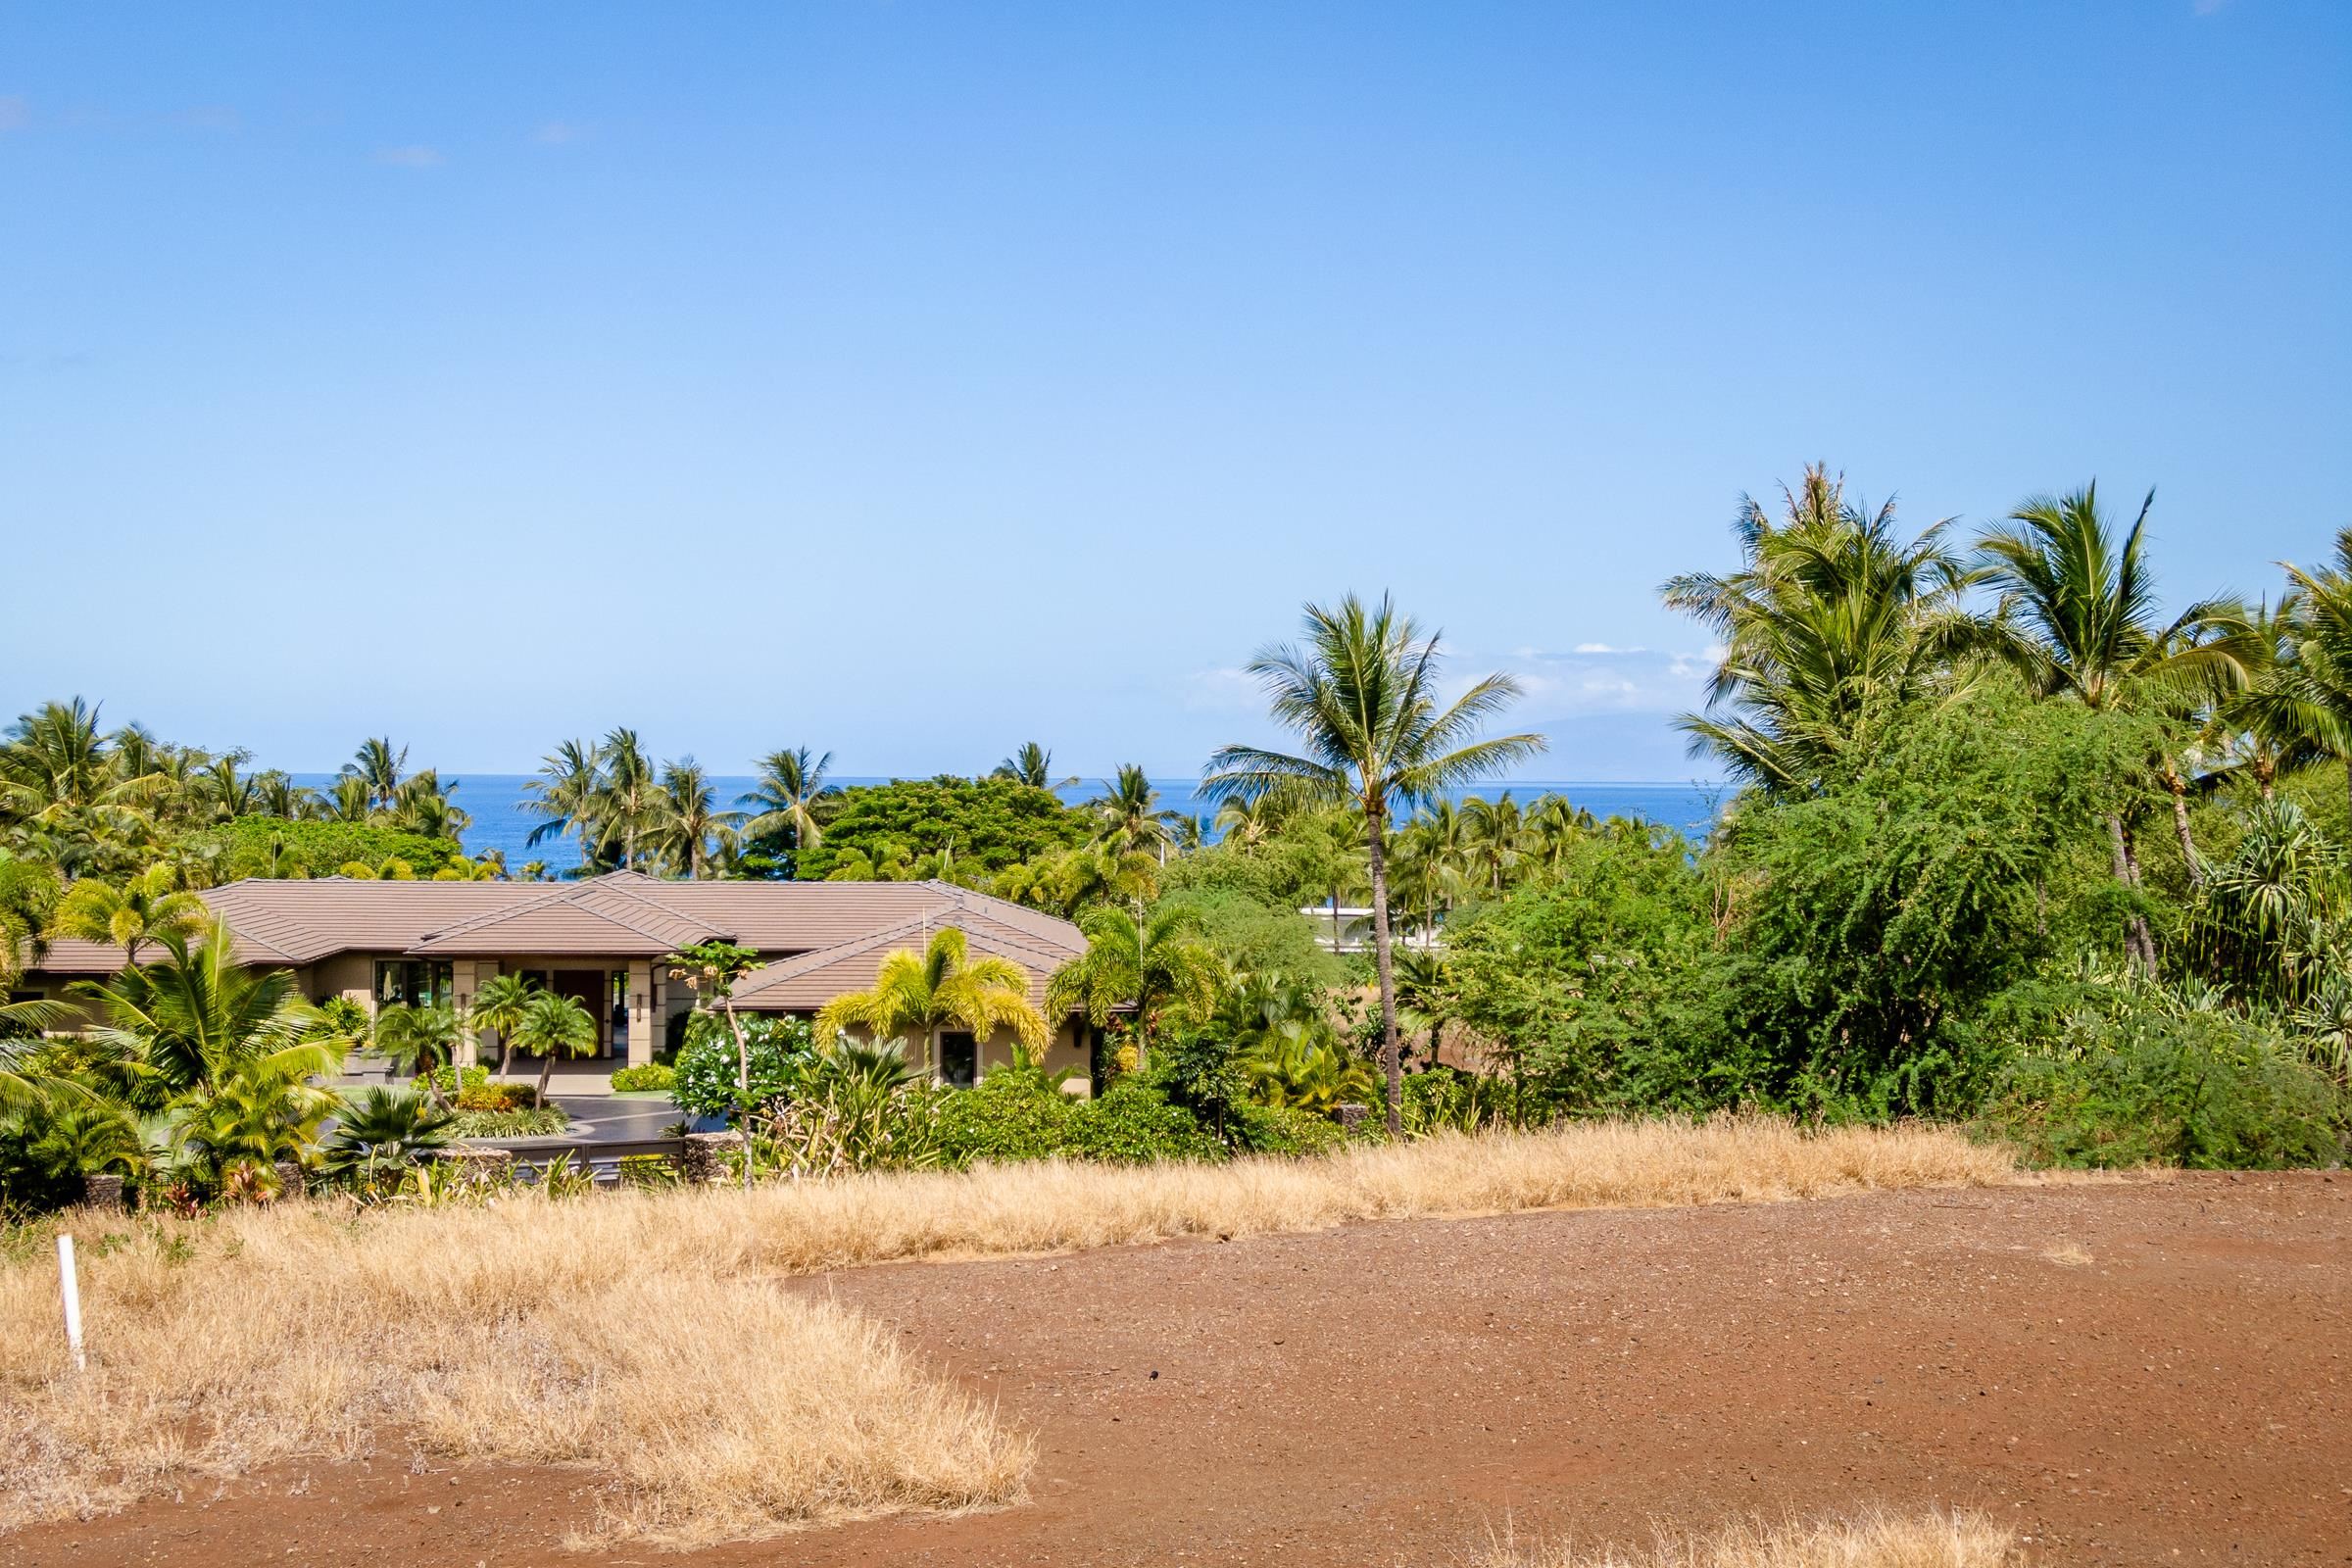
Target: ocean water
{"x":496,"y":803}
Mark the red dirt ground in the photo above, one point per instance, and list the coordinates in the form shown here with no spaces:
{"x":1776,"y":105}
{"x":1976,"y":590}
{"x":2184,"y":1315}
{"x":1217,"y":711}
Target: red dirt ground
{"x":2149,"y":1373}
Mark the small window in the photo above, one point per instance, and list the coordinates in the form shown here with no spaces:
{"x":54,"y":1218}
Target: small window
{"x":958,"y":1058}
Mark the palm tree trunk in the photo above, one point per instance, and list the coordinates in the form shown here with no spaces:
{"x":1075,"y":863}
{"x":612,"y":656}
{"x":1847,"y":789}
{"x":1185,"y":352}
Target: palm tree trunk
{"x":547,"y":1068}
{"x":1392,"y":1060}
{"x":2179,"y":790}
{"x":2140,"y":946}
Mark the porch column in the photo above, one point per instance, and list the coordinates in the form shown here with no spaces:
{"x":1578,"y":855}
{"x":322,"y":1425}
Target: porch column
{"x":643,"y":1013}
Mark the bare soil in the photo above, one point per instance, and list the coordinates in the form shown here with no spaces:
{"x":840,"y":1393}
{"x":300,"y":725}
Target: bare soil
{"x":2145,"y":1373}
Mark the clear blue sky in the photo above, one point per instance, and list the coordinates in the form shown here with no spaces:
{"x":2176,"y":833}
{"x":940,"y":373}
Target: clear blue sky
{"x":912,"y":379}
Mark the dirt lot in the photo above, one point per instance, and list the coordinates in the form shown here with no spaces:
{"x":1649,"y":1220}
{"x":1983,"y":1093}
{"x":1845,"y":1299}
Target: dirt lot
{"x":2136,"y":1374}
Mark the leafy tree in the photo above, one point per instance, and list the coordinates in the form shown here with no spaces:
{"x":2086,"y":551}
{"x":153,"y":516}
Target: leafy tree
{"x":714,"y":969}
{"x":989,"y":824}
{"x":1363,"y":694}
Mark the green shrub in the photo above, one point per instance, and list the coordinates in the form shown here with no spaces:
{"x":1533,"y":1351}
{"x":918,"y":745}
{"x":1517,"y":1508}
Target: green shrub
{"x":2142,"y":1081}
{"x":1013,"y":1113}
{"x":1131,"y":1123}
{"x":653,"y":1075}
{"x":276,"y":847}
{"x":538,"y":1121}
{"x":1288,"y":1130}
{"x":478,"y":1095}
{"x":704,"y":1082}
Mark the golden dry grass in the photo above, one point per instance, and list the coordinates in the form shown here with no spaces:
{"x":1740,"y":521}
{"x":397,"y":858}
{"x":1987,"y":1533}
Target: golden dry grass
{"x":642,"y":1333}
{"x":1873,"y":1539}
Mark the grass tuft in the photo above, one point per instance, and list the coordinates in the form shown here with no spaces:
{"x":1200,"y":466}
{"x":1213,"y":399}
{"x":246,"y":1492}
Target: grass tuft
{"x":643,"y":1334}
{"x":1871,"y":1539}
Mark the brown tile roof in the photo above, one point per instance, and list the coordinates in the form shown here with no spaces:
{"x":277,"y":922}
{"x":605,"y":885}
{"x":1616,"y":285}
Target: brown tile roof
{"x":828,"y":937}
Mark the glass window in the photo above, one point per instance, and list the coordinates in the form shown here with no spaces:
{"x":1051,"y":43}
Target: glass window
{"x":411,"y":983}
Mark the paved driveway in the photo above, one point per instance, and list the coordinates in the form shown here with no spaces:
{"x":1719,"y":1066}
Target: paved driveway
{"x":616,"y":1118}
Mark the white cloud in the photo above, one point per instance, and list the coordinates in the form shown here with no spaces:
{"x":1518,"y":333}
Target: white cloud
{"x":409,"y":157}
{"x":1223,"y":690}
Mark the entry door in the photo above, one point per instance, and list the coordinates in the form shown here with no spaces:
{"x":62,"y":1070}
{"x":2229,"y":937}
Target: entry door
{"x":586,"y":987}
{"x":957,"y":1058}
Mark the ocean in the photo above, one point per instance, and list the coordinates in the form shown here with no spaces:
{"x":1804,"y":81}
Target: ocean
{"x":495,"y":801}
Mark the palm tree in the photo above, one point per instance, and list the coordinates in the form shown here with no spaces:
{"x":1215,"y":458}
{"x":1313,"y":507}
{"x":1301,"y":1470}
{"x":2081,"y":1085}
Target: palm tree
{"x":2277,"y":723}
{"x":1830,"y":624}
{"x":379,"y":765}
{"x":1032,"y":765}
{"x":229,"y":795}
{"x":2314,"y":689}
{"x":54,"y":761}
{"x":1425,"y":989}
{"x":1156,"y":964}
{"x":564,"y":796}
{"x":196,"y":1018}
{"x":2079,"y":617}
{"x":348,"y":799}
{"x":687,"y":830}
{"x":1495,"y":832}
{"x":791,"y":799}
{"x":940,"y":987}
{"x":423,"y":805}
{"x":382,"y":1135}
{"x":553,"y":1025}
{"x":421,"y":1039}
{"x":498,"y":1003}
{"x":1128,"y":817}
{"x":625,"y":806}
{"x":29,"y":897}
{"x":144,"y":910}
{"x":1362,"y":694}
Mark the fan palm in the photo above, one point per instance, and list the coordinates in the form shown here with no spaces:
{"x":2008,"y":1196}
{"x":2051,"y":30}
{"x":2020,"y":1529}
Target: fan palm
{"x":943,"y":987}
{"x":1831,"y":621}
{"x":791,"y":799}
{"x":2079,"y":620}
{"x":140,"y":912}
{"x":1362,"y":694}
{"x":1157,"y":966}
{"x":381,"y":1137}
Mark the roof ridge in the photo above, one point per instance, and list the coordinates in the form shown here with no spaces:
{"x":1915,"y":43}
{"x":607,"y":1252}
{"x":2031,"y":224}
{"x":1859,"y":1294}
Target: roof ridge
{"x":557,"y":894}
{"x":632,"y":895}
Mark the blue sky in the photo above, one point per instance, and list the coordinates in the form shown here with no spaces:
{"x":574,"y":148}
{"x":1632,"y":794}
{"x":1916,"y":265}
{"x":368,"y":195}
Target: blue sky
{"x":912,"y":380}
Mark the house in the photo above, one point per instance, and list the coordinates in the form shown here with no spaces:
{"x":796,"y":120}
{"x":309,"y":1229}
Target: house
{"x":602,"y":940}
{"x":1348,"y":928}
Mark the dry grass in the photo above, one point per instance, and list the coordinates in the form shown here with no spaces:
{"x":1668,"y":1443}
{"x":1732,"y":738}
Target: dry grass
{"x":642,"y":1333}
{"x":1874,"y":1539}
